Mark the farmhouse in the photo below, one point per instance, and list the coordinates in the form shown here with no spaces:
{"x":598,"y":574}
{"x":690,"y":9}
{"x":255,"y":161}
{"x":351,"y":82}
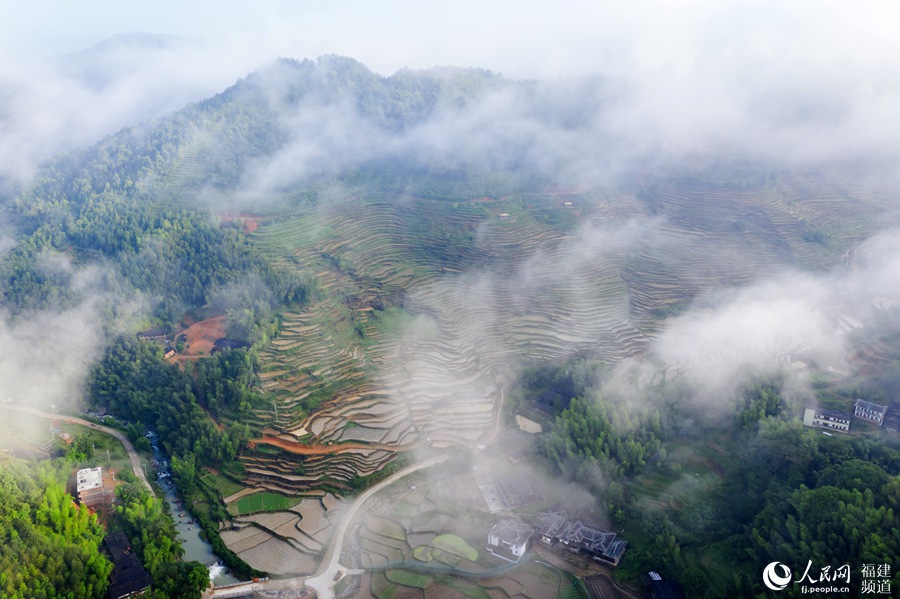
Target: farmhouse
{"x":869,"y":411}
{"x":503,"y":216}
{"x":508,"y":539}
{"x":129,"y":577}
{"x":550,"y":523}
{"x":89,"y":487}
{"x":662,"y":588}
{"x":555,"y":528}
{"x":159,"y":335}
{"x":830,"y":419}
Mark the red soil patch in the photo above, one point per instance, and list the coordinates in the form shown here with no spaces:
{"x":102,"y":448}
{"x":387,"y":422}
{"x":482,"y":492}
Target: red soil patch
{"x":304,"y":449}
{"x":249,"y":222}
{"x":201,"y":336}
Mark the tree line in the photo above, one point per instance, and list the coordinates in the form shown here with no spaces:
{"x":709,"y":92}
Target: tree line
{"x":786,"y":493}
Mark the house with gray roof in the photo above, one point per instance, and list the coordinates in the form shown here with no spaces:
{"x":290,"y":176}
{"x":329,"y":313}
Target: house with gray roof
{"x":509,"y":539}
{"x":555,"y":528}
{"x":829,"y":419}
{"x":867,"y":410}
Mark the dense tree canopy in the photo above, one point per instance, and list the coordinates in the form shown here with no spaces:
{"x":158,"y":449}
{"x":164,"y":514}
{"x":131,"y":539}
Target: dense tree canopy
{"x":790,"y":494}
{"x":49,"y":546}
{"x":154,"y":538}
{"x":134,"y":381}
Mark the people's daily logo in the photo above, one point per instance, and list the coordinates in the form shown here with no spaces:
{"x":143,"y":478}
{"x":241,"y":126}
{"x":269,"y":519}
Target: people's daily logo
{"x":774,"y":580}
{"x":876,"y":578}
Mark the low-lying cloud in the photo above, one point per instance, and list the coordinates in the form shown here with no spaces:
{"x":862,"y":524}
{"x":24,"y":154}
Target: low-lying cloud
{"x":45,"y":355}
{"x":798,"y":83}
{"x":753,"y":331}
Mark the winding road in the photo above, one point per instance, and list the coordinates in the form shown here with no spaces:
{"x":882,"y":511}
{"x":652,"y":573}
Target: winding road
{"x":322,"y":581}
{"x":324,"y":578}
{"x":129,"y":448}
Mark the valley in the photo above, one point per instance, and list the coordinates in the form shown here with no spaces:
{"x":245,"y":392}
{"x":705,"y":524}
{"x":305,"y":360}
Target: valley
{"x":429,"y":335}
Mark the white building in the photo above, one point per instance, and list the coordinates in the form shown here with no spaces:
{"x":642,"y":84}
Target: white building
{"x":509,"y":538}
{"x":869,"y":411}
{"x":89,"y":486}
{"x":830,"y":419}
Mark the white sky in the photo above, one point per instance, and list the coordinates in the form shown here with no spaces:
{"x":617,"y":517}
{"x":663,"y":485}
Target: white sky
{"x":520,"y":38}
{"x":517,"y":38}
{"x":814,"y":77}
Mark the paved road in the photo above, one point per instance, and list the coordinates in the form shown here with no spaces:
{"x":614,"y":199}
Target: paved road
{"x":323,"y":579}
{"x":132,"y":454}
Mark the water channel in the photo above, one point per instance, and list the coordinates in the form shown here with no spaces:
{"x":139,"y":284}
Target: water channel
{"x":195,"y":548}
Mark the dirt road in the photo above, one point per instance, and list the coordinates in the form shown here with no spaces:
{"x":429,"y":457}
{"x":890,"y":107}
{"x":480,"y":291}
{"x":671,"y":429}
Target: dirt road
{"x":299,"y":448}
{"x":132,"y":454}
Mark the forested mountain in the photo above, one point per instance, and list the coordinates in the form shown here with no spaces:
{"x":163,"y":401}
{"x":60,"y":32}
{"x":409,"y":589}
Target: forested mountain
{"x":141,"y":197}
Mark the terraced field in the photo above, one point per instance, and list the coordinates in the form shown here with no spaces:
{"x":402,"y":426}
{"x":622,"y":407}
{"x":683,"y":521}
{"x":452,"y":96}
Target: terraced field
{"x":284,"y":542}
{"x":426,"y":307}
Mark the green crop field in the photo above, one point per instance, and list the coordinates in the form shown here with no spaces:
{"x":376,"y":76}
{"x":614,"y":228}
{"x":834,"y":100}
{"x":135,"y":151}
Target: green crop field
{"x":455,"y":545}
{"x":423,"y":553}
{"x":409,"y":579}
{"x":264,"y":502}
{"x":224,"y":485}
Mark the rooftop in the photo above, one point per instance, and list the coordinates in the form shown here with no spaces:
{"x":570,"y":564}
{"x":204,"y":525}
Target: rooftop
{"x":128,"y":575}
{"x":867,"y":405}
{"x":512,"y":531}
{"x":833,"y":413}
{"x":550,"y":523}
{"x":600,"y":543}
{"x":88,"y":478}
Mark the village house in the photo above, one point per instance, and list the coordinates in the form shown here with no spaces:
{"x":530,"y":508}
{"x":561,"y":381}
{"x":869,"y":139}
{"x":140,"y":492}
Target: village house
{"x":129,"y":577}
{"x":158,"y":335}
{"x":869,"y":411}
{"x":509,"y":539}
{"x":555,"y":528}
{"x":830,"y":419}
{"x":662,"y":588}
{"x":89,"y":487}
